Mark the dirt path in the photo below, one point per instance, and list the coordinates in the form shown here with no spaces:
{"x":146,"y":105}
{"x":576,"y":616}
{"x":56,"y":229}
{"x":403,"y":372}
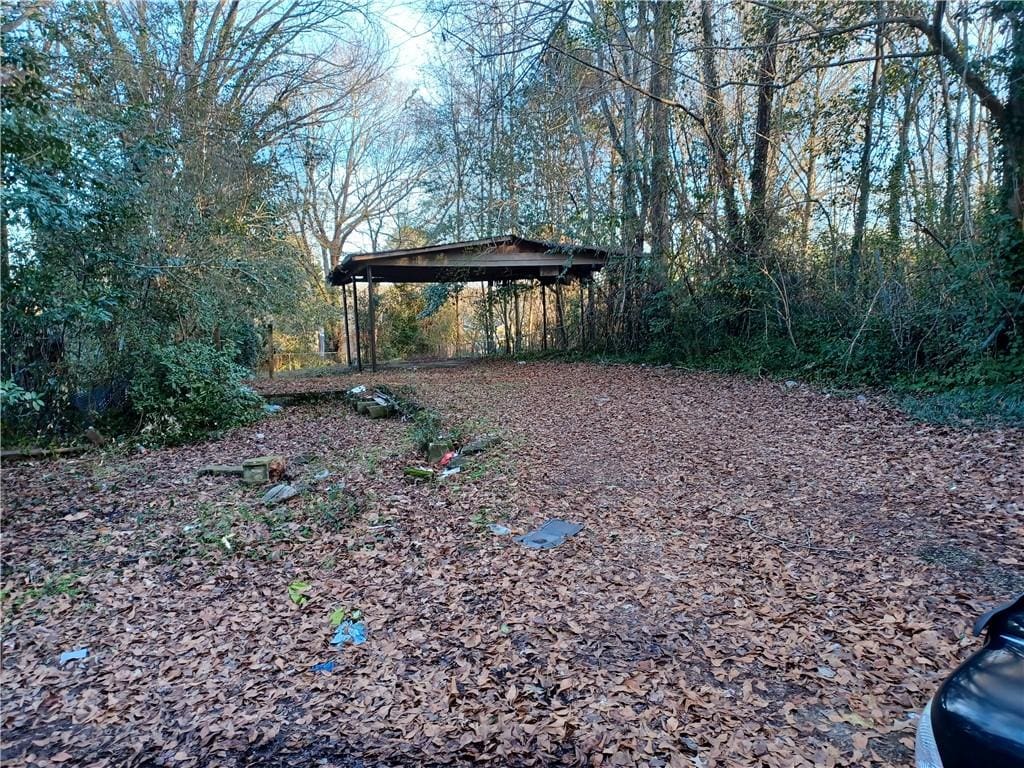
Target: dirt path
{"x":766,"y":577}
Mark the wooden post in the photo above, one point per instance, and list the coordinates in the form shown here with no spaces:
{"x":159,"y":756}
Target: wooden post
{"x":590,"y":309}
{"x":560,"y":315}
{"x":270,"y":350}
{"x":348,"y":344}
{"x":544,"y":314}
{"x":373,"y":320}
{"x":583,"y":338}
{"x":355,"y":312}
{"x":490,"y":319}
{"x":519,"y":320}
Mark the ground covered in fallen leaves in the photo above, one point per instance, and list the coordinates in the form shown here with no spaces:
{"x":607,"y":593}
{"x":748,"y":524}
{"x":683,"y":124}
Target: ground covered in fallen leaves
{"x":767,"y":576}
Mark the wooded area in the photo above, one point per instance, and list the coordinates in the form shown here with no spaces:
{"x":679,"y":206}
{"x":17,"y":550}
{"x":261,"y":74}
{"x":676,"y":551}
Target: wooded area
{"x":596,"y":545}
{"x":821,"y":190}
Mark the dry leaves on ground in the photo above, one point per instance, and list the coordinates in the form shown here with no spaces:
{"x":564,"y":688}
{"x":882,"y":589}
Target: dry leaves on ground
{"x":766,"y":577}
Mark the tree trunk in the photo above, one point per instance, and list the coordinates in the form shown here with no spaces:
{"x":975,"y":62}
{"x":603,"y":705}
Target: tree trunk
{"x":864,"y":175}
{"x":661,"y":160}
{"x":758,"y":219}
{"x":716,"y":131}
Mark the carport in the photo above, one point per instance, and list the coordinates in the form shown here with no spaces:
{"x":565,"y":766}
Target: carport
{"x":508,"y":258}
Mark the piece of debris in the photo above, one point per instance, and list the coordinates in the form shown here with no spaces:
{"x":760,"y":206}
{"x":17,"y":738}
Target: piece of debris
{"x":325,"y":666}
{"x":222,"y":469}
{"x":827,"y":672}
{"x":791,"y":384}
{"x":357,"y":390}
{"x":75,"y":655}
{"x":549,"y":535}
{"x":436,"y":451}
{"x":479,"y":445}
{"x":499,"y":530}
{"x":449,"y":472}
{"x":378,"y":411}
{"x":262,"y":469}
{"x":272,"y":408}
{"x":447,"y":458}
{"x":279,"y":494}
{"x":420,"y":473}
{"x":350,"y":630}
{"x":323,"y":474}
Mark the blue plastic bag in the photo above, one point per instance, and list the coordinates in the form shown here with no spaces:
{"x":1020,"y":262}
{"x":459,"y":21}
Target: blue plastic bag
{"x":350,"y":630}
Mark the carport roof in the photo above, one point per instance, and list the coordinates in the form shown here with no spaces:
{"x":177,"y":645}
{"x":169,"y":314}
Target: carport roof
{"x":508,"y":257}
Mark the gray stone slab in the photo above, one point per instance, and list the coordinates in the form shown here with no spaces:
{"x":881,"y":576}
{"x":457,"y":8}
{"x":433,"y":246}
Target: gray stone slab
{"x":549,"y":535}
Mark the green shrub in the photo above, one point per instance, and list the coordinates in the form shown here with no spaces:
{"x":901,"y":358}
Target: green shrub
{"x":18,"y":408}
{"x":426,"y":428}
{"x":185,"y":391}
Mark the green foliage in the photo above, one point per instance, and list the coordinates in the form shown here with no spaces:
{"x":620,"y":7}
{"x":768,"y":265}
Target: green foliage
{"x":182,"y":392}
{"x":297,"y":592}
{"x":119,"y":237}
{"x":987,"y":405}
{"x":339,"y":615}
{"x":426,"y":428}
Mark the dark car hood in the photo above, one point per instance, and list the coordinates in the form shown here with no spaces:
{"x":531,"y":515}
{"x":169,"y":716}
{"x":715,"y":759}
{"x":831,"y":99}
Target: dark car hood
{"x":978,"y":713}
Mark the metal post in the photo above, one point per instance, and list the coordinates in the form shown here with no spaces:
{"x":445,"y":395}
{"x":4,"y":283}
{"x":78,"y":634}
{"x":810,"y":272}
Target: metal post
{"x":348,"y":344}
{"x":355,"y":312}
{"x":373,"y":319}
{"x":544,"y":314}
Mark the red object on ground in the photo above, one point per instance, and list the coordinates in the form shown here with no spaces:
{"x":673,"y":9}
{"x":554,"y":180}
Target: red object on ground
{"x":447,"y":457}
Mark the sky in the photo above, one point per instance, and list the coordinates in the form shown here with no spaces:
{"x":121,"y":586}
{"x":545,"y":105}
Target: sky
{"x":410,"y":35}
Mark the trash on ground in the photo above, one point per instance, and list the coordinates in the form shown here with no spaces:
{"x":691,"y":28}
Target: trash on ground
{"x":420,"y":473}
{"x":449,"y":472}
{"x":272,"y":408}
{"x":549,"y":535}
{"x":323,"y":474}
{"x":75,"y":655}
{"x":325,"y":666}
{"x":357,"y":390}
{"x":447,"y":458}
{"x":436,"y":451}
{"x":222,"y":469}
{"x":350,"y":630}
{"x":262,"y":469}
{"x":479,"y":445}
{"x":279,"y":494}
{"x":499,"y":530}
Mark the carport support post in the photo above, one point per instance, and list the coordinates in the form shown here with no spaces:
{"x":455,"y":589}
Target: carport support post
{"x":490,"y":319}
{"x":355,"y":311}
{"x":583,"y":335}
{"x":544,"y":314}
{"x":344,"y":308}
{"x":373,"y":320}
{"x":590,"y":309}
